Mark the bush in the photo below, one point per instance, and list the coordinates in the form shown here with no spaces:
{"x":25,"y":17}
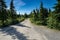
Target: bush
{"x":11,"y":22}
{"x":53,"y":23}
{"x":21,"y":19}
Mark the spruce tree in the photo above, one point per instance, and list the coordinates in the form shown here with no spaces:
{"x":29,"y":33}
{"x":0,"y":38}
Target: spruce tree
{"x":19,"y":16}
{"x":12,"y":11}
{"x":37,"y":14}
{"x":57,"y":7}
{"x":3,"y":13}
{"x":43,"y":14}
{"x":54,"y":18}
{"x":57,"y":13}
{"x":25,"y":15}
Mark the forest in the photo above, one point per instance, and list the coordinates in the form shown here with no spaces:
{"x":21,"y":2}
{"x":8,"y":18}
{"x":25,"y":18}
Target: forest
{"x":41,"y":16}
{"x":9,"y":16}
{"x":47,"y":17}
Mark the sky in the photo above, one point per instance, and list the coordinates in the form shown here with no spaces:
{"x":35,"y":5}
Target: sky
{"x":26,"y":6}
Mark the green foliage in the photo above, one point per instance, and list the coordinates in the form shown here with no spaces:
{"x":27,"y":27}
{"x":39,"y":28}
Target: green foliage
{"x":39,"y":18}
{"x":53,"y":21}
{"x":47,"y":17}
{"x":9,"y":16}
{"x":25,"y":15}
{"x":54,"y":17}
{"x":12,"y":11}
{"x":3,"y":13}
{"x":43,"y":14}
{"x":57,"y":7}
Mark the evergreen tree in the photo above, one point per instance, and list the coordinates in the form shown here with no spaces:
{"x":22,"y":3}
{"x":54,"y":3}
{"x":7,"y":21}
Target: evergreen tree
{"x":3,"y":13}
{"x":25,"y":15}
{"x":57,"y":7}
{"x":43,"y":14}
{"x":54,"y":18}
{"x":12,"y":11}
{"x":9,"y":14}
{"x":19,"y":15}
{"x":37,"y":14}
{"x":57,"y":14}
{"x":49,"y":11}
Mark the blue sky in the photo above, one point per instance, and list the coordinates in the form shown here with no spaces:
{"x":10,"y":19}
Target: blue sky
{"x":26,"y":6}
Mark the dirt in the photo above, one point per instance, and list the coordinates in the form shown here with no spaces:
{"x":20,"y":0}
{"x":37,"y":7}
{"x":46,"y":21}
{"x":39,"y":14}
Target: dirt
{"x":21,"y":31}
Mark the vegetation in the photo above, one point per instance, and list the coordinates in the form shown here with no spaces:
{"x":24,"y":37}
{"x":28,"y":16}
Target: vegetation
{"x":25,"y":15}
{"x":43,"y":16}
{"x":40,"y":16}
{"x":9,"y":16}
{"x":53,"y":19}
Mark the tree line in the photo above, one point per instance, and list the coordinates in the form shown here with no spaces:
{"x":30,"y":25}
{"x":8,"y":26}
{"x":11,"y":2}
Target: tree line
{"x":9,"y":16}
{"x":44,"y":16}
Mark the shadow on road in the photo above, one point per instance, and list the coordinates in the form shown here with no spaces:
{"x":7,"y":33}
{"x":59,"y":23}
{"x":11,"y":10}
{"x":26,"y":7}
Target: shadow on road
{"x":21,"y":25}
{"x":14,"y":33}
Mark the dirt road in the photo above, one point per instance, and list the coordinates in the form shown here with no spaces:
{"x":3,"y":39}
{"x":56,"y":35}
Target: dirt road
{"x":21,"y":31}
{"x":28,"y":31}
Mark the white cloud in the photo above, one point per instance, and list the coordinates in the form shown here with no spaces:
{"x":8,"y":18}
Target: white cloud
{"x":19,"y":3}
